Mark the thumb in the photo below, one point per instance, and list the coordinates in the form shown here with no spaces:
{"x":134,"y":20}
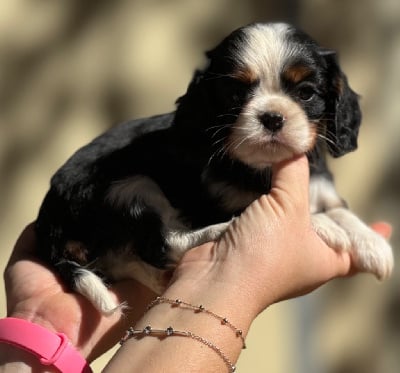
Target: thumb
{"x":292,"y":177}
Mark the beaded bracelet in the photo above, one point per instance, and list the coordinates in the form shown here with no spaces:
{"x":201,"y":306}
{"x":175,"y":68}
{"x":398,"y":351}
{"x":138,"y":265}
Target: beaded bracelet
{"x":200,"y":308}
{"x":148,"y":331}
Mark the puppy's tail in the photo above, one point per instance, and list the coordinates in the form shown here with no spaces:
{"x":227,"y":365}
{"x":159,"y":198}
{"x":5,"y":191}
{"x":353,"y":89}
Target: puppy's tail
{"x":91,"y":286}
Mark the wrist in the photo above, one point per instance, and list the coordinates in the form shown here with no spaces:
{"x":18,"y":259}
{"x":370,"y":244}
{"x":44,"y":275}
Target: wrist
{"x":203,"y":317}
{"x":14,"y":359}
{"x":204,"y":274}
{"x":70,"y":324}
{"x":223,"y":292}
{"x":67,"y":328}
{"x":221,"y":300}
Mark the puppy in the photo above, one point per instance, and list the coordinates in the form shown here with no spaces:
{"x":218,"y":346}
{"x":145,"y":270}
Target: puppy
{"x":129,"y":204}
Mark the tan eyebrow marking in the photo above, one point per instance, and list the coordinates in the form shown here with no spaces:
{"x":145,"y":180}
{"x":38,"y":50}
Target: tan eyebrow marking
{"x":245,"y":75}
{"x":297,"y":73}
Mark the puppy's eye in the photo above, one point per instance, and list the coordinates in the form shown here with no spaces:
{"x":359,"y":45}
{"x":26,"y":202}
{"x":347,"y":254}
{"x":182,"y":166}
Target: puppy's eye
{"x":234,"y":89}
{"x":306,"y":93}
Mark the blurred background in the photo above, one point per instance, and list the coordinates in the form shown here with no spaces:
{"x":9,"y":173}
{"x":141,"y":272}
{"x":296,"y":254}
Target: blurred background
{"x":71,"y":69}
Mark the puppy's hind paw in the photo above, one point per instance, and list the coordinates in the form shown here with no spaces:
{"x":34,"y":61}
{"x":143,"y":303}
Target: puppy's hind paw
{"x":92,"y":287}
{"x":372,"y":253}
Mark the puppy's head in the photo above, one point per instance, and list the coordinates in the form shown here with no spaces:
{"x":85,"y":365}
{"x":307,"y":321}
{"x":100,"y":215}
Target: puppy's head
{"x":270,"y":92}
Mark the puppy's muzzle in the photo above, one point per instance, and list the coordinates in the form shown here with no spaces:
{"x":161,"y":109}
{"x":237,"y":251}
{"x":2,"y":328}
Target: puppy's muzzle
{"x":272,"y":121}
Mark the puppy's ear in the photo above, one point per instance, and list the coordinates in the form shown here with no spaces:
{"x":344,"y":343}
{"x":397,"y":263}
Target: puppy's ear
{"x":194,"y":106}
{"x":197,"y":78}
{"x":199,"y":87}
{"x":344,"y":110}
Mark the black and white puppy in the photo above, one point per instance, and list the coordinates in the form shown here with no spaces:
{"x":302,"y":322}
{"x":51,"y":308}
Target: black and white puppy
{"x":130,"y":203}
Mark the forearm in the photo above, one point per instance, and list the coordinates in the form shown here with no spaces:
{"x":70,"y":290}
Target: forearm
{"x":179,"y":353}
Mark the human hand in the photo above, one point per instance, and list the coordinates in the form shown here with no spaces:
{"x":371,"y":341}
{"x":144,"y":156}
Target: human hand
{"x":270,"y":253}
{"x":36,"y":294}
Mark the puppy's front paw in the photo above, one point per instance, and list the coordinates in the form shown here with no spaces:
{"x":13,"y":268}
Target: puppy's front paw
{"x":370,"y":252}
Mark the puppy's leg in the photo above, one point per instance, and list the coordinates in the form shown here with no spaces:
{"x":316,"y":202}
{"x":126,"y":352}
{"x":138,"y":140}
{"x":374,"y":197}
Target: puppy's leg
{"x":180,"y":241}
{"x":330,"y":232}
{"x":323,"y":197}
{"x":341,"y":229}
{"x":174,"y":242}
{"x":142,"y":215}
{"x":88,"y":284}
{"x":160,"y":237}
{"x":370,"y":251}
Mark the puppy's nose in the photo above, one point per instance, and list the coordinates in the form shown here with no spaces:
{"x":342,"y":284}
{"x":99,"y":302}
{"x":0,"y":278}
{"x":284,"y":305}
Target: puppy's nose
{"x":272,"y":121}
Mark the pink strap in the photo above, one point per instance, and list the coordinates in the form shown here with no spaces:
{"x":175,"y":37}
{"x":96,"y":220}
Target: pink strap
{"x":51,"y":348}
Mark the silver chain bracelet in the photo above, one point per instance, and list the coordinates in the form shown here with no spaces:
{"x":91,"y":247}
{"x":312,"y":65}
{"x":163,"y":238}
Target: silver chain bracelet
{"x":201,"y":308}
{"x":169,"y":332}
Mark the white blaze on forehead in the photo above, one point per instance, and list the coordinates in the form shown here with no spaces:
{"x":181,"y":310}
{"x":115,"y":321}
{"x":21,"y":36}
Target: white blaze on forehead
{"x":265,"y":52}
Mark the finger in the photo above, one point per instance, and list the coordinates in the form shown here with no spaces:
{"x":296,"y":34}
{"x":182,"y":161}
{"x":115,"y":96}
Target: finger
{"x":25,"y":245}
{"x":383,"y":228}
{"x":292,"y":176}
{"x":344,"y":264}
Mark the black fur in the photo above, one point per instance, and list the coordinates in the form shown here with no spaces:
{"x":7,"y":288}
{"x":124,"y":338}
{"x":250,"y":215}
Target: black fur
{"x":177,"y":151}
